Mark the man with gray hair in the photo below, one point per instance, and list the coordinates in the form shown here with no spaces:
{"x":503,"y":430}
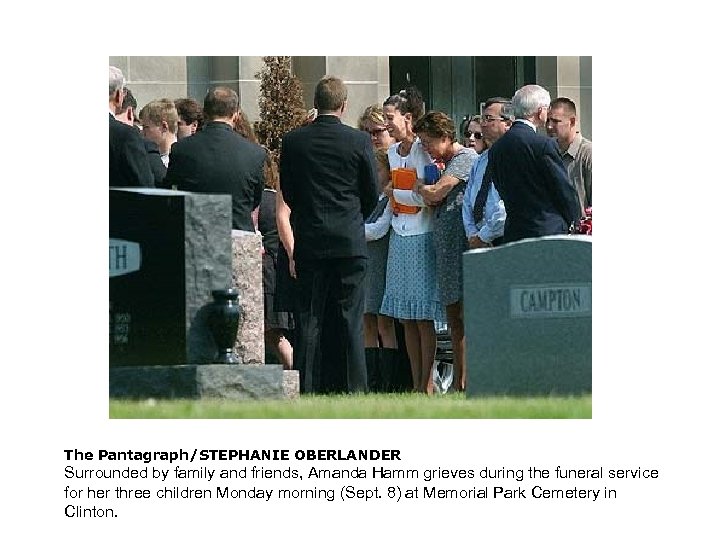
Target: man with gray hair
{"x":129,"y":165}
{"x":529,"y":174}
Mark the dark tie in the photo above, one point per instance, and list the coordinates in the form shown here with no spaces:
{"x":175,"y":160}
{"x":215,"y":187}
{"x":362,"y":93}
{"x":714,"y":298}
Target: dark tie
{"x":482,"y":197}
{"x":378,"y":210}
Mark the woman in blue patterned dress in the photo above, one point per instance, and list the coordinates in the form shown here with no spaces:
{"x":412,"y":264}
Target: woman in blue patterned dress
{"x":411,"y":293}
{"x":437,"y":133}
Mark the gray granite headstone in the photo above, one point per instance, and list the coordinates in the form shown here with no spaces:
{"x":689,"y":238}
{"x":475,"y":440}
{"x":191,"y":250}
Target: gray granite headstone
{"x":528,"y":317}
{"x":168,"y":251}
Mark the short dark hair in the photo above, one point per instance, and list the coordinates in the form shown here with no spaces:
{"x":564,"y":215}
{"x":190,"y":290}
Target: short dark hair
{"x":129,"y":101}
{"x":220,"y":102}
{"x":436,"y":124}
{"x":505,"y":110}
{"x":567,"y":103}
{"x":189,"y":110}
{"x":330,"y":94}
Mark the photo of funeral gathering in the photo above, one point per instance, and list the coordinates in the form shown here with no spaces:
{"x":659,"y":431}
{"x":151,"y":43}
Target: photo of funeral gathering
{"x":408,"y":230}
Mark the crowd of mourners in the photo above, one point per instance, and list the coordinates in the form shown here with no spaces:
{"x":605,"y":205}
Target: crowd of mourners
{"x":363,"y":229}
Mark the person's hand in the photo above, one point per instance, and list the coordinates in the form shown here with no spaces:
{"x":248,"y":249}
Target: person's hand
{"x":433,"y":194}
{"x":388,"y":190}
{"x":475,"y":242}
{"x":425,"y":192}
{"x":429,"y":195}
{"x":293,"y":274}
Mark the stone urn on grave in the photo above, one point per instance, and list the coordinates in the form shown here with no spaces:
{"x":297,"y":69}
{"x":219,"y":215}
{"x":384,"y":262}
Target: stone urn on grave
{"x":224,"y":320}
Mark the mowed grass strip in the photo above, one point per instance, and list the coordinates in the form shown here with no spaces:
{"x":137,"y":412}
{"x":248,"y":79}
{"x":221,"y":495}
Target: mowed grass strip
{"x":360,"y":406}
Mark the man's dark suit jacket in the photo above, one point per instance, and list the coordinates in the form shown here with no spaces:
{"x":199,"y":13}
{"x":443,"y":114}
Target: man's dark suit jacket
{"x":218,"y":160}
{"x":158,"y":168}
{"x":328,"y":178}
{"x":531,"y":179}
{"x":129,"y":166}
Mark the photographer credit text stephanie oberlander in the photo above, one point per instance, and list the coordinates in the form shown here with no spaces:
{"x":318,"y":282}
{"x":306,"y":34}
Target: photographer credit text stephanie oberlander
{"x":109,"y":483}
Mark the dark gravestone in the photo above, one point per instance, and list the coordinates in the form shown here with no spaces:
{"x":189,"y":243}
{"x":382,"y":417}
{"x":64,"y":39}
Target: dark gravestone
{"x":528,"y":317}
{"x":168,"y":251}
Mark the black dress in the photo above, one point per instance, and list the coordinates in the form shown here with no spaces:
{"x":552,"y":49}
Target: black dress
{"x":271,"y":242}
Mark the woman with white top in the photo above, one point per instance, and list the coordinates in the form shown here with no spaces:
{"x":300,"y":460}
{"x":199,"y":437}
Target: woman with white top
{"x":411,"y":292}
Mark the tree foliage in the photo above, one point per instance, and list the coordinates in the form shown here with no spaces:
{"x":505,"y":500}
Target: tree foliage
{"x":281,"y":103}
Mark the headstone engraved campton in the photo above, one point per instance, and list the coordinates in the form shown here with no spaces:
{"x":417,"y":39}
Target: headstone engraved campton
{"x":528,"y":313}
{"x":556,"y":300}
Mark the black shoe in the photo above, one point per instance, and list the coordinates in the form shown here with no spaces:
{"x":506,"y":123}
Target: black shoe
{"x":372,"y":363}
{"x":387,"y":364}
{"x":395,"y":370}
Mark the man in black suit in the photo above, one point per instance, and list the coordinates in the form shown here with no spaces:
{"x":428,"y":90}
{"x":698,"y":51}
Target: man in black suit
{"x":129,"y":166}
{"x":218,"y":160}
{"x":328,"y":178}
{"x":128,"y":116}
{"x":529,"y":174}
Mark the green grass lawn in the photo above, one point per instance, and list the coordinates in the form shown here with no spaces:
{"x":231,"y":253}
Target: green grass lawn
{"x":360,"y":406}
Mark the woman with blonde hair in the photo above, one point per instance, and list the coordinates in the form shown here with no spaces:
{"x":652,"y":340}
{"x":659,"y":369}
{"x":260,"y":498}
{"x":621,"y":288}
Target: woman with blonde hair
{"x":381,"y":355}
{"x":372,"y":121}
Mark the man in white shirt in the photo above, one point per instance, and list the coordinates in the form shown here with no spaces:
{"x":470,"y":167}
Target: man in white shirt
{"x":495,"y":121}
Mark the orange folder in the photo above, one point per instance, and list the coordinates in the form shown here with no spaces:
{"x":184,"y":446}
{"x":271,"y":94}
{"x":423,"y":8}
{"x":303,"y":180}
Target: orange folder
{"x":404,"y":178}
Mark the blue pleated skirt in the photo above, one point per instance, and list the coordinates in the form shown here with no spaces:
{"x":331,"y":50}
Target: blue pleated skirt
{"x":411,"y":290}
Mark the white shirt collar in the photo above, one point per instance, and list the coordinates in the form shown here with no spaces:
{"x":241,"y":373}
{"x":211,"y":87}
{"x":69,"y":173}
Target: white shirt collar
{"x":528,"y":122}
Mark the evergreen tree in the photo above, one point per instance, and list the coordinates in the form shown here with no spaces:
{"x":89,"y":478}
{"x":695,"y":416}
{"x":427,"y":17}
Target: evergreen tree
{"x":281,"y":103}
